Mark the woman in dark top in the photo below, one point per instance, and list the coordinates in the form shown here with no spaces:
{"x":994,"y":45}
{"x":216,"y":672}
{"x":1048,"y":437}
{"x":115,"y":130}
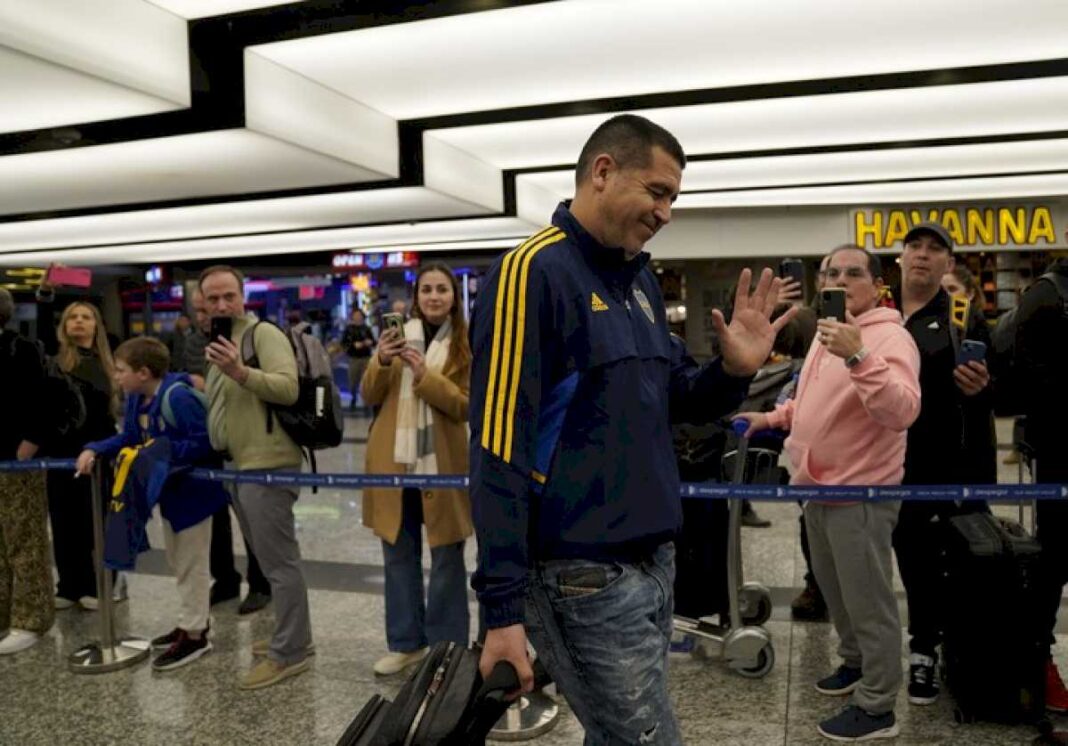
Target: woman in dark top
{"x":85,"y":356}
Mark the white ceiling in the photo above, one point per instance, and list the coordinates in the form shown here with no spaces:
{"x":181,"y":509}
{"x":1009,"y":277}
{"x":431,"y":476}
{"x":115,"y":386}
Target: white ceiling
{"x":203,"y":8}
{"x":328,"y":110}
{"x":586,"y":49}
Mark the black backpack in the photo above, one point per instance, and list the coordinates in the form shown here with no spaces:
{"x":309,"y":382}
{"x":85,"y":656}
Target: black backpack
{"x":316,"y":419}
{"x":1004,"y":367}
{"x":62,"y":396}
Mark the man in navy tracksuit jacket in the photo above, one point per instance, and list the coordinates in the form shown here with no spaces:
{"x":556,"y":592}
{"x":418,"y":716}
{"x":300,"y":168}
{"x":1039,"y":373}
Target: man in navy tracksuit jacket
{"x":574,"y":485}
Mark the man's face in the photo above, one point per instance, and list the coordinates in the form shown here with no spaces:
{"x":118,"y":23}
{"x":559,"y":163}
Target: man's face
{"x":181,"y":323}
{"x":924,"y":261}
{"x":849,"y":270}
{"x":223,"y":295}
{"x":635,"y":203}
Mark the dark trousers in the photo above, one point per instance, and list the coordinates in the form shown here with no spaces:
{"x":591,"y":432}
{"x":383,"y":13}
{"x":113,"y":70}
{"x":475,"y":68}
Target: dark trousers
{"x":222,"y":557}
{"x":920,"y":546}
{"x":1052,"y":518}
{"x":701,"y":559}
{"x":70,"y":510}
{"x":806,"y":552}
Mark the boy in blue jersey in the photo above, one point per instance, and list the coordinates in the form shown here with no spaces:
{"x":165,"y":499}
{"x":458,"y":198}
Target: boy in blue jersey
{"x":161,"y":404}
{"x":574,"y":485}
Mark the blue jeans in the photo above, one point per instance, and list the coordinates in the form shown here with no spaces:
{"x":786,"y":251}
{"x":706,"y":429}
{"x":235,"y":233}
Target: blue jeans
{"x":606,"y":647}
{"x":415,"y":618}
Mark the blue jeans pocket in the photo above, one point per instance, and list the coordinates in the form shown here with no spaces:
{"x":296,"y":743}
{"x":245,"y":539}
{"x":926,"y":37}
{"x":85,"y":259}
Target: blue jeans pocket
{"x":569,"y":580}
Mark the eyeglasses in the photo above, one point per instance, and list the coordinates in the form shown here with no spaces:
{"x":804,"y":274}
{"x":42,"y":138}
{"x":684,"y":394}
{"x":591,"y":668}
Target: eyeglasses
{"x":853,"y":273}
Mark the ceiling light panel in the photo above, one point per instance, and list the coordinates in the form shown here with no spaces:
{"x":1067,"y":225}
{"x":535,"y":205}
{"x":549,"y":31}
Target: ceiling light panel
{"x":291,"y":107}
{"x":979,"y":109}
{"x":234,"y":218}
{"x":854,"y":166}
{"x":202,"y":164}
{"x":129,"y":42}
{"x":202,"y":8}
{"x":403,"y":236}
{"x":546,"y":52}
{"x":38,"y":94}
{"x":950,"y":190}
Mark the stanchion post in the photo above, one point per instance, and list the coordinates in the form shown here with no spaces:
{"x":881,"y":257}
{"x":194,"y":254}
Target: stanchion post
{"x":109,"y":654}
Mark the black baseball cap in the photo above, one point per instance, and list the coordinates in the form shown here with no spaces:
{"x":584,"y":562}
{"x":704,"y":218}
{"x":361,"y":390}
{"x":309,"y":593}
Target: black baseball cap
{"x":933,"y":229}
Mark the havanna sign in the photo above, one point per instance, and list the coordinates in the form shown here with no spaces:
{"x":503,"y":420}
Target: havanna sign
{"x":980,"y":227}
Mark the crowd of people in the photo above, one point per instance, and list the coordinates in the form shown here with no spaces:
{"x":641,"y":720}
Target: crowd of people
{"x":564,"y":401}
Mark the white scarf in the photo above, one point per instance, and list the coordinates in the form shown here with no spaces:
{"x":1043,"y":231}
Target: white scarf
{"x":413,"y":444}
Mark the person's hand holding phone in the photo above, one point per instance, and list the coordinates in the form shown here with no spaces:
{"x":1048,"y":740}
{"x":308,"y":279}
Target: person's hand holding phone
{"x":841,"y":340}
{"x":971,"y":377}
{"x":390,"y":345}
{"x":223,"y":354}
{"x":414,"y":360}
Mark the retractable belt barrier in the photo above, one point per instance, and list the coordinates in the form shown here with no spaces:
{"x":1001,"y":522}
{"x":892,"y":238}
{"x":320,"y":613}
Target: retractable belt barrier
{"x":705,"y":490}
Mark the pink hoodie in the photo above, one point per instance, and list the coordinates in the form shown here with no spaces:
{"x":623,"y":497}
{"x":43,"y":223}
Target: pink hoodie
{"x":849,"y":427}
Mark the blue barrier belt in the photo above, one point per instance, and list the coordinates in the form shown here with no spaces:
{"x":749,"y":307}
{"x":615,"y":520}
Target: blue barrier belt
{"x":707,"y":490}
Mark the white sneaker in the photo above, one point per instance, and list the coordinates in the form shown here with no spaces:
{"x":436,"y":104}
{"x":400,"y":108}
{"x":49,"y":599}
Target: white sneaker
{"x":18,"y":640}
{"x":397,"y":662}
{"x":119,"y":593}
{"x":64,"y":603}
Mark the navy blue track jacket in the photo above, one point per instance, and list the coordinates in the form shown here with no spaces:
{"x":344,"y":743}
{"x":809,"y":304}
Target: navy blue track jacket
{"x":574,"y":384}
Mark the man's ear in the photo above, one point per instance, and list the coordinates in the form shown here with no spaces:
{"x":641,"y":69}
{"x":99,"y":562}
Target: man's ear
{"x":601,"y":169}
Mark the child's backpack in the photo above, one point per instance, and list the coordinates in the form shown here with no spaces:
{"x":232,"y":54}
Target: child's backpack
{"x":166,"y":409}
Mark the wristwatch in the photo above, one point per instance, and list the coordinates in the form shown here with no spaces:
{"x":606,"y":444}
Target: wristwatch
{"x":854,"y":360}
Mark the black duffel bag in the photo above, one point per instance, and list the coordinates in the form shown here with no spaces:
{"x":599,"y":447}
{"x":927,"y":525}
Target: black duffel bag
{"x":445,"y":702}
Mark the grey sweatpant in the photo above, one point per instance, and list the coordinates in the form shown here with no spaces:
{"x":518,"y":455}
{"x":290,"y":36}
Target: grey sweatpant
{"x":852,"y":558}
{"x":265,"y":513}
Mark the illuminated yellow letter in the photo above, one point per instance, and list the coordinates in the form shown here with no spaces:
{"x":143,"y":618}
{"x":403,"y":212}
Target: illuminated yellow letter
{"x":1014,"y":223}
{"x":951,"y":222}
{"x":980,"y":227}
{"x":862,"y":229}
{"x":896,"y":227}
{"x":1042,"y":227}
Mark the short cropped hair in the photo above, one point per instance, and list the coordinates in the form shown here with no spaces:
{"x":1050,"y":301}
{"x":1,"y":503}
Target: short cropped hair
{"x":875,"y":265}
{"x":7,"y":307}
{"x":145,"y":352}
{"x":630,"y":140}
{"x":216,"y":268}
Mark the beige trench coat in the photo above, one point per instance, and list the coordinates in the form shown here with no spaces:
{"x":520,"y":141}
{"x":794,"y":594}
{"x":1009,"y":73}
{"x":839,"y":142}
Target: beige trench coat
{"x":446,"y":512}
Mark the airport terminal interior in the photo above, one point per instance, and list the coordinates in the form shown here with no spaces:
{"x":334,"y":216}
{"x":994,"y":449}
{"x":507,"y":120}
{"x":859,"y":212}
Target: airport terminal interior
{"x":328,"y":149}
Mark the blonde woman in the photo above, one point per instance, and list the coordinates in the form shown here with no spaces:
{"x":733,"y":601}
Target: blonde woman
{"x":421,"y":382}
{"x":85,"y":357}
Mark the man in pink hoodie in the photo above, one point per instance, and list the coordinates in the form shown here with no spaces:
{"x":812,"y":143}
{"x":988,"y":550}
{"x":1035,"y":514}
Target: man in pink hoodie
{"x":858,"y":394}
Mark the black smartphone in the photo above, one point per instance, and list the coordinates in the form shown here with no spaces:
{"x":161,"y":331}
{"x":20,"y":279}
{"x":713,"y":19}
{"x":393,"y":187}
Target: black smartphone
{"x":221,"y":326}
{"x":971,"y":349}
{"x":833,"y":304}
{"x":792,"y":269}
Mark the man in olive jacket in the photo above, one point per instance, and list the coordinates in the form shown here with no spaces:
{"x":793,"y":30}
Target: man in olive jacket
{"x":238,"y":396}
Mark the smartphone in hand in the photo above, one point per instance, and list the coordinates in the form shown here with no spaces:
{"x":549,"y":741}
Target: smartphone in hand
{"x":971,"y":349}
{"x":833,"y":304}
{"x":792,"y":269}
{"x":394,"y":321}
{"x":221,"y":326}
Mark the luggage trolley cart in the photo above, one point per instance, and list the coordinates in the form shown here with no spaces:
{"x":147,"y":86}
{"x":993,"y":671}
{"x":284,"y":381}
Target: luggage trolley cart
{"x":743,"y":643}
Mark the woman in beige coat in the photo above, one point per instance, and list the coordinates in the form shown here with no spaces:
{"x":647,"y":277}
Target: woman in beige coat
{"x":421,"y":382}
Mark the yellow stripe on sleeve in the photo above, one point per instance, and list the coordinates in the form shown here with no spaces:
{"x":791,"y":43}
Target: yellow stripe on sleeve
{"x":498,"y":350}
{"x":521,"y":325}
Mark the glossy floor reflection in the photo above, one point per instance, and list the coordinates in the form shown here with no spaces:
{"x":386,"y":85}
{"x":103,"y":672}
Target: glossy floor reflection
{"x":42,"y":703}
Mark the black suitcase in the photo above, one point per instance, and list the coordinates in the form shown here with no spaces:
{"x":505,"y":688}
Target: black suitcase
{"x":445,"y":702}
{"x":994,"y":646}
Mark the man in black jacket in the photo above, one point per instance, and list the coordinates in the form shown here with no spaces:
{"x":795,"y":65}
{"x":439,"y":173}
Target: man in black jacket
{"x":952,"y":441}
{"x":1042,"y":357}
{"x":26,"y":606}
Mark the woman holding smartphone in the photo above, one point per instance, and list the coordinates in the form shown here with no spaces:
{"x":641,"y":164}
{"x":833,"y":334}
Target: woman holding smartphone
{"x":84,"y":356}
{"x":420,"y":377}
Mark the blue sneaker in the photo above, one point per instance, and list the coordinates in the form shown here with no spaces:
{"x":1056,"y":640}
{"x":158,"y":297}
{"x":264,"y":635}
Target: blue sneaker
{"x":854,"y":724}
{"x":842,"y":681}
